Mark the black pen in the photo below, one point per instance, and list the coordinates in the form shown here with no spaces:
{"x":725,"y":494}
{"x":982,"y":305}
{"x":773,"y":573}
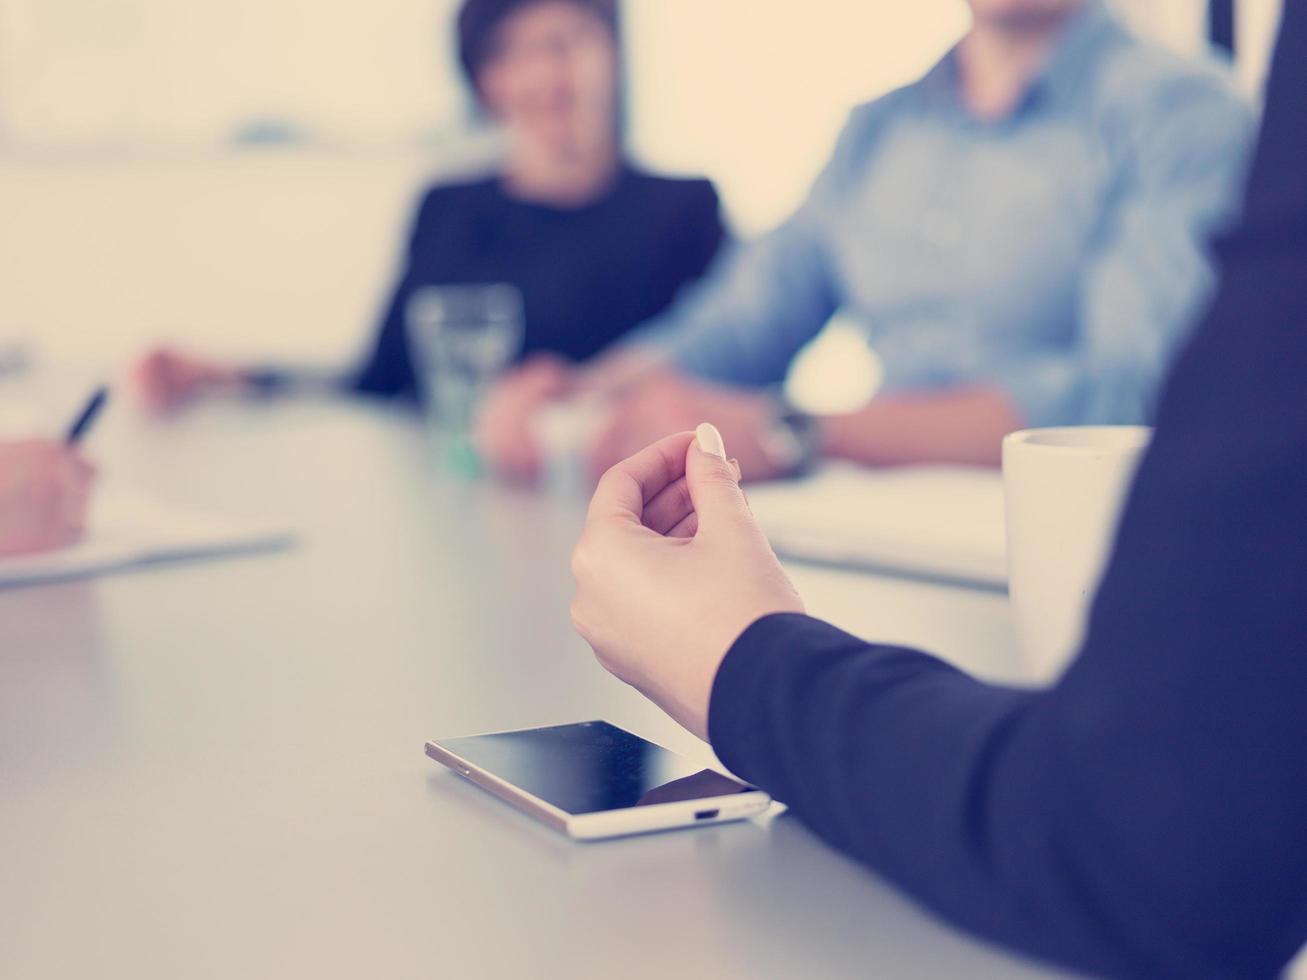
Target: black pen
{"x":88,"y":416}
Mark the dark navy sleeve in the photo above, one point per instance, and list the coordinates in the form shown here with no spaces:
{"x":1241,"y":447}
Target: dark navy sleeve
{"x":388,"y":370}
{"x":1146,"y":817}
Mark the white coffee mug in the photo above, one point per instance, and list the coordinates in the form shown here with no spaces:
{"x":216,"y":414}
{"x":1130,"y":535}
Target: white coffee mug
{"x":1064,"y":490}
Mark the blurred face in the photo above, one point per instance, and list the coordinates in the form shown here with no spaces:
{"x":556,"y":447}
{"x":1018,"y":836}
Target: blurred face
{"x":551,"y":75}
{"x":1022,"y":15}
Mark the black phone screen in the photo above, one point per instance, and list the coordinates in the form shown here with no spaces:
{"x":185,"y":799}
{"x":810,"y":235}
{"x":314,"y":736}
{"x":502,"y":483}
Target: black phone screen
{"x":591,"y":767}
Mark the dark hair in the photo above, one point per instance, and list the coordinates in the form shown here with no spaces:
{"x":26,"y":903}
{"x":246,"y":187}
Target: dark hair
{"x":478,"y":19}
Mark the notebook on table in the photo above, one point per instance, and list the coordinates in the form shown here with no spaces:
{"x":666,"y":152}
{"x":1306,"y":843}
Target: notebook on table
{"x":127,"y":530}
{"x":941,"y":522}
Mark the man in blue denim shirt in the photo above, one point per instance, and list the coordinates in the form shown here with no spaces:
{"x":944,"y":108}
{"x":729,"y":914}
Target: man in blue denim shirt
{"x":1021,"y":233}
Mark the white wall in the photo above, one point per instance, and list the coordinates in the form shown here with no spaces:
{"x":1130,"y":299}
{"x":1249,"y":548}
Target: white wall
{"x":167,"y":71}
{"x":271,"y":253}
{"x":1258,"y":24}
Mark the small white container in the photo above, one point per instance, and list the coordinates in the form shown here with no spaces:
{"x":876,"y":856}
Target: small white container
{"x":566,"y":432}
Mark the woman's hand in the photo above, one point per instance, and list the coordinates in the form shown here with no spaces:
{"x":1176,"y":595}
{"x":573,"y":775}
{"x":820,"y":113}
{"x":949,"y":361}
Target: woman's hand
{"x":671,"y":569}
{"x":44,"y":491}
{"x":166,"y":380}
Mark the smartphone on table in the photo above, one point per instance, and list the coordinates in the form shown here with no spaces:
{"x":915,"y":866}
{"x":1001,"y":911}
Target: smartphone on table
{"x":593,"y":780}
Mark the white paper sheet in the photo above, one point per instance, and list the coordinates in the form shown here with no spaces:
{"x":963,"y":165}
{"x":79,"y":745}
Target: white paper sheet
{"x":127,"y":529}
{"x":936,"y":521}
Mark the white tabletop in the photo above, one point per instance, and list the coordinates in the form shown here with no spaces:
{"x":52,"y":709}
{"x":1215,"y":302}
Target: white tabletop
{"x":216,"y":769}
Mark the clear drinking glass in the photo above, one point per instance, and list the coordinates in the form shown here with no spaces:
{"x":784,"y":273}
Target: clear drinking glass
{"x":461,"y":338}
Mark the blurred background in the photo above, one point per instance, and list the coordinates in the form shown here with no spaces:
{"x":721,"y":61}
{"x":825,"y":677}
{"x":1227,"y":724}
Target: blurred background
{"x":238,"y":174}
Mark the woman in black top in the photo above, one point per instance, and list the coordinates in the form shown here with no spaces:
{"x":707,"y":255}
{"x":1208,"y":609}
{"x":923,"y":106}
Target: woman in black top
{"x":588,"y":273}
{"x":595,"y":246}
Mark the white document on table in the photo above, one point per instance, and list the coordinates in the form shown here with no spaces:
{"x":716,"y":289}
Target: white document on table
{"x":934,"y":521}
{"x":127,"y":530}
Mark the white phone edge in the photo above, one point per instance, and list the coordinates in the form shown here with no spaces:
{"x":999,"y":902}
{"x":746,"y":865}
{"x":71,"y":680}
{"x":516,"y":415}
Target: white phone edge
{"x":608,"y":824}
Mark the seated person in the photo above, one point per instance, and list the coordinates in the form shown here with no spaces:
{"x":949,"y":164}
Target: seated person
{"x":44,"y":490}
{"x":1145,"y":817}
{"x":594,"y":245}
{"x":1020,"y":233}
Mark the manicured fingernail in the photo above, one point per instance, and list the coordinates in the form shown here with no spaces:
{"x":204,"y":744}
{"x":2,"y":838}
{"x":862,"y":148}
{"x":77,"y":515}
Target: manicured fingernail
{"x":710,"y":440}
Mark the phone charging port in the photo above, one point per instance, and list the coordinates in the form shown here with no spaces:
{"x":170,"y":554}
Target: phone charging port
{"x":706,"y":814}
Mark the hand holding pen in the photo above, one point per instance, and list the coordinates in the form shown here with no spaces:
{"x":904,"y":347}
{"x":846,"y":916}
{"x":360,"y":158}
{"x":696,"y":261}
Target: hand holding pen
{"x":45,"y":487}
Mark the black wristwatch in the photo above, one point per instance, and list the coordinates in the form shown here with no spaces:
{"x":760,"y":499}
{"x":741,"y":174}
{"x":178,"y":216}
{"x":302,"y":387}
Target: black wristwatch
{"x":792,"y":440}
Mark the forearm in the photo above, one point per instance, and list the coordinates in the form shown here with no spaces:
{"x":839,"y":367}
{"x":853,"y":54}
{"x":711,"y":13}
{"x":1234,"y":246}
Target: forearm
{"x":964,"y":425}
{"x":974,"y":799}
{"x":892,"y":756}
